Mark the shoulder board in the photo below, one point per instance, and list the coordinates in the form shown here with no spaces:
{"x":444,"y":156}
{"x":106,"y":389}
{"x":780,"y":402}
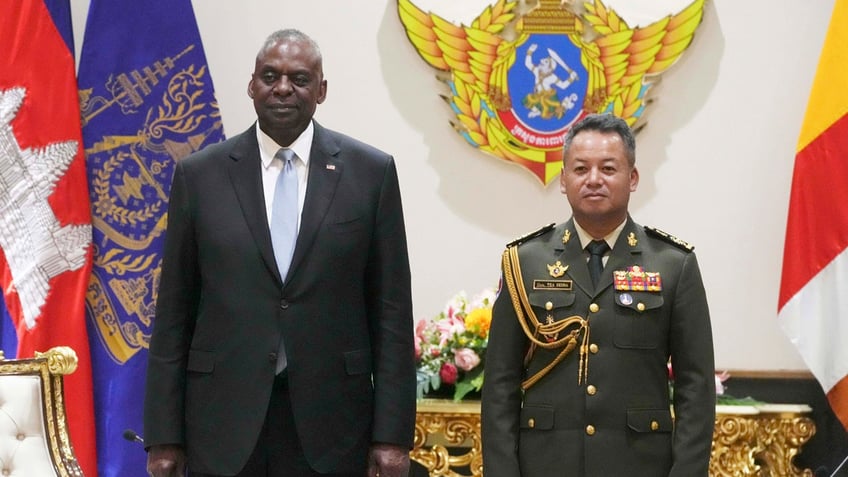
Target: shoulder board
{"x":531,"y":235}
{"x":667,"y":237}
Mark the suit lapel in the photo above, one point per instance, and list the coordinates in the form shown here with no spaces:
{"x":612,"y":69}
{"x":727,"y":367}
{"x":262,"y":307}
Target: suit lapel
{"x":325,"y":169}
{"x":246,"y":177}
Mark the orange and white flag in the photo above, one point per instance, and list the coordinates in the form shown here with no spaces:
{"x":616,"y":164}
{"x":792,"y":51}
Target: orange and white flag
{"x":813,"y":301}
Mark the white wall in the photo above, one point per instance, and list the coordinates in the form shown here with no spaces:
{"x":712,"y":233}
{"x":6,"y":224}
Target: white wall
{"x":715,"y":158}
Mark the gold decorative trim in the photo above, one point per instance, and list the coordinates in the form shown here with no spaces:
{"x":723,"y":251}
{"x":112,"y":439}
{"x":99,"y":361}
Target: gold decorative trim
{"x":734,"y":446}
{"x":781,"y":437}
{"x":61,"y":360}
{"x":443,"y":424}
{"x":548,"y":17}
{"x":545,"y":335}
{"x":50,"y":367}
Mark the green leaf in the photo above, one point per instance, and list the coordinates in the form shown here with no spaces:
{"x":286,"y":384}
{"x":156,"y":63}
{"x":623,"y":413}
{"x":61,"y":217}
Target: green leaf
{"x":477,"y":382}
{"x":462,"y":388}
{"x":729,"y":400}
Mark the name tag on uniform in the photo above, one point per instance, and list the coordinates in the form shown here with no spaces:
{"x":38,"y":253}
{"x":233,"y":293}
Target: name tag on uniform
{"x":555,"y":285}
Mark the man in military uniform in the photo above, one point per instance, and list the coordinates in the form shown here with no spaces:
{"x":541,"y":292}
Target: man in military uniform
{"x":589,"y":313}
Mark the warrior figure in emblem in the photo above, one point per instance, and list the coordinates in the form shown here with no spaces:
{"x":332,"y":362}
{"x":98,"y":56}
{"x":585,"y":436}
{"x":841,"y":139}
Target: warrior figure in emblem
{"x":544,"y":100}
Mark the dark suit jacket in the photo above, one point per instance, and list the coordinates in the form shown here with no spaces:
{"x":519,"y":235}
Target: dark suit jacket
{"x":625,"y":397}
{"x":344,"y":311}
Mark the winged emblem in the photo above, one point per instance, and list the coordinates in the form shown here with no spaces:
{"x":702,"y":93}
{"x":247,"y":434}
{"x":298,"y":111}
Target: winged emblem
{"x":518,"y":82}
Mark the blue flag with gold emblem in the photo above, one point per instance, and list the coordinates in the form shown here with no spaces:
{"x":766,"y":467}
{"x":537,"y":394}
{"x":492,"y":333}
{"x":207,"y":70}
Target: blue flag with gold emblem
{"x":147,"y":101}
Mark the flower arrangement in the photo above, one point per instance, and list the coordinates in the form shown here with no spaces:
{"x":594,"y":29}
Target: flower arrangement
{"x":450,"y":348}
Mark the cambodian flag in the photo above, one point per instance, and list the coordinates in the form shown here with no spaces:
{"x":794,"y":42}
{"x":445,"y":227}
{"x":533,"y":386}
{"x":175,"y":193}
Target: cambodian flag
{"x":45,"y":221}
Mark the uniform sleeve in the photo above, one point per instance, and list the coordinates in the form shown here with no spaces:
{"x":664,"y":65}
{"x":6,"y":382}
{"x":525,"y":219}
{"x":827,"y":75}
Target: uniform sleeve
{"x":501,"y":399}
{"x":694,"y":374}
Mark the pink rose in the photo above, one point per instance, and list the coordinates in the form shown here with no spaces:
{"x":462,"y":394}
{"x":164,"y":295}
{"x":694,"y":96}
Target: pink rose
{"x":466,"y":359}
{"x":418,"y":351}
{"x":448,"y":373}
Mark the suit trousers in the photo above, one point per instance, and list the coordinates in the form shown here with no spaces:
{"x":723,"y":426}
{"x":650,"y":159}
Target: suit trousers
{"x":278,"y":452}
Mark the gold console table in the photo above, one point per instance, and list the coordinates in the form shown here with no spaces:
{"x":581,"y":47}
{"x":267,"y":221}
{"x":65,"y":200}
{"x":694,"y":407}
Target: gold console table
{"x":758,"y":441}
{"x":441,"y":424}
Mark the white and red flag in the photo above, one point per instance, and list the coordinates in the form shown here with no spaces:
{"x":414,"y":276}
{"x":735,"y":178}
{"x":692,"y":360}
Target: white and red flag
{"x":813,"y":301}
{"x":45,"y":217}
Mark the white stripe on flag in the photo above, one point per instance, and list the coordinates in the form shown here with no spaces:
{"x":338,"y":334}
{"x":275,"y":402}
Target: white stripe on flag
{"x":814,"y":322}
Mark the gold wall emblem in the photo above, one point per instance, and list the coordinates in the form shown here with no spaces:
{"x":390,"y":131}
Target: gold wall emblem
{"x":518,"y":81}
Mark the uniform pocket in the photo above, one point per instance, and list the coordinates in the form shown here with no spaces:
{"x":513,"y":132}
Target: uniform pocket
{"x":650,"y":420}
{"x":557,"y":304}
{"x":537,"y":417}
{"x":639,"y":320}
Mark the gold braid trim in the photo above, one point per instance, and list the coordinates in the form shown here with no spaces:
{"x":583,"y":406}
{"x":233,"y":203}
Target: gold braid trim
{"x":550,"y":331}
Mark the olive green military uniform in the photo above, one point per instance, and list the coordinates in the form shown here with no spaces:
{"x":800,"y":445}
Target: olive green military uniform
{"x":602,"y":409}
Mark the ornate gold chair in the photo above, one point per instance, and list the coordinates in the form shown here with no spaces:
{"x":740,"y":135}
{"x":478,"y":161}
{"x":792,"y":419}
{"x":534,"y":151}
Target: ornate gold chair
{"x":34,"y":438}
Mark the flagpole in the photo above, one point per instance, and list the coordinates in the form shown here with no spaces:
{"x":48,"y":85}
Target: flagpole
{"x":840,"y":466}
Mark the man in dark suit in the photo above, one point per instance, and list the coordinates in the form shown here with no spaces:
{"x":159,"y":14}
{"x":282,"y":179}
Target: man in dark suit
{"x":267,"y":361}
{"x":588,"y":315}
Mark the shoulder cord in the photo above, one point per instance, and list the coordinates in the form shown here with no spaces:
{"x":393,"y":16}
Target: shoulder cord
{"x":550,"y":331}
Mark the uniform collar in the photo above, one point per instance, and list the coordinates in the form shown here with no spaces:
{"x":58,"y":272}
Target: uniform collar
{"x":610,"y":238}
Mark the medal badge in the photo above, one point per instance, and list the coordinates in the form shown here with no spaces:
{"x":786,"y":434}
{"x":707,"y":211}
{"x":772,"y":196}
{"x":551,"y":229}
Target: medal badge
{"x":636,"y":279}
{"x":557,"y":270}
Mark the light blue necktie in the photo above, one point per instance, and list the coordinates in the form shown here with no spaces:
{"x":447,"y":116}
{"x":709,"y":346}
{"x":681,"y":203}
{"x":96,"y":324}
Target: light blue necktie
{"x":284,"y":213}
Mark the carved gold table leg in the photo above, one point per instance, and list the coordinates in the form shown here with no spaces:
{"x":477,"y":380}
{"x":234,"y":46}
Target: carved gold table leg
{"x":781,"y":436}
{"x":442,"y":424}
{"x":734,"y":446}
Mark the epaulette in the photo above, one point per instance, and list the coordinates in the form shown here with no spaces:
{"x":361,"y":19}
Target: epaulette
{"x":667,"y":237}
{"x":531,"y":235}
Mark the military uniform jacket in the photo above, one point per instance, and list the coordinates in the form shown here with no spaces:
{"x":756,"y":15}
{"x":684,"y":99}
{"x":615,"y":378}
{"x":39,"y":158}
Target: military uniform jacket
{"x":618,"y":420}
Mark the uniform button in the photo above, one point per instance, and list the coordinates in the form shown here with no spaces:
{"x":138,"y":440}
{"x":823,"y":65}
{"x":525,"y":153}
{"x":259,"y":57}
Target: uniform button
{"x":594,"y":308}
{"x":591,"y":390}
{"x":640,"y":307}
{"x":272,"y":357}
{"x":531,"y":422}
{"x":20,"y":437}
{"x":549,"y":306}
{"x":593,"y":348}
{"x":655,"y":425}
{"x":284,"y":304}
{"x":590,"y":429}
